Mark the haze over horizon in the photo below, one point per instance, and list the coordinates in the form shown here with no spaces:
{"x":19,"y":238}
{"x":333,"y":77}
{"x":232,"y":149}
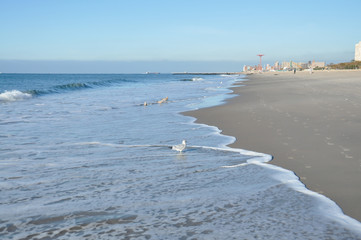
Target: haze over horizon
{"x":162,"y":36}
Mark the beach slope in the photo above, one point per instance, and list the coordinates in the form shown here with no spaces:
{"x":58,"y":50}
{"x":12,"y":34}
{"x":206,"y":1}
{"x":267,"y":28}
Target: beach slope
{"x":309,"y":123}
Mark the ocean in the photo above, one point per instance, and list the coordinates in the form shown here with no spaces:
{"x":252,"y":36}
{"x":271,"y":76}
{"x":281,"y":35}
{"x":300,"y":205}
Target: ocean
{"x":83,"y":157}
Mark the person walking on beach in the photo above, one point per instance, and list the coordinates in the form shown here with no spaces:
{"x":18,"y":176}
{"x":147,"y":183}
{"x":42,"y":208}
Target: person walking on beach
{"x":294,"y":71}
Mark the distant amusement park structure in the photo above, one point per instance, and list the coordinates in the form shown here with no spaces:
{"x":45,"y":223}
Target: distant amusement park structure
{"x":309,"y":65}
{"x":260,"y":62}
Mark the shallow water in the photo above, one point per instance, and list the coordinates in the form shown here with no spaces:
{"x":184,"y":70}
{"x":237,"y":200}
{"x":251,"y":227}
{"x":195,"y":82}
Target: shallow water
{"x":82,"y":157}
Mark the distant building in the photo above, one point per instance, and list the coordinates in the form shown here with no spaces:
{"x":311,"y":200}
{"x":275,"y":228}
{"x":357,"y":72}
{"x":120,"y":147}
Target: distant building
{"x":304,"y":65}
{"x":268,"y":67}
{"x":358,"y":52}
{"x":277,"y":65}
{"x":318,"y":64}
{"x":247,"y":68}
{"x":286,"y":65}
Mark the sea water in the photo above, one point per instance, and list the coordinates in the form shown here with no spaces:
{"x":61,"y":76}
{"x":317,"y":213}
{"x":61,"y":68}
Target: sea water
{"x":82,"y":157}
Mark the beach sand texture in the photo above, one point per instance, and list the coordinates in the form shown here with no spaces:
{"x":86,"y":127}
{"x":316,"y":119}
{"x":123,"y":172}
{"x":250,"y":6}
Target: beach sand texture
{"x":310,"y":123}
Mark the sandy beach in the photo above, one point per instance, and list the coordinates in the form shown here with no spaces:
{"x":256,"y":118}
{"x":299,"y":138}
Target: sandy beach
{"x":309,"y":123}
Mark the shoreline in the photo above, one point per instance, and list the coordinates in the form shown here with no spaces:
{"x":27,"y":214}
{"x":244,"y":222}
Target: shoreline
{"x":309,"y":123}
{"x":206,"y":73}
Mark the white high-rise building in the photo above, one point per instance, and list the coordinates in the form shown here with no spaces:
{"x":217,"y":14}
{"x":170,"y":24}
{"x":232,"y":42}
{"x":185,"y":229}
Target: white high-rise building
{"x":358,"y":52}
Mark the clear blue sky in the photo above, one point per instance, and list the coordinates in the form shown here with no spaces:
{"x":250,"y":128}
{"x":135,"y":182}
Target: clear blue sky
{"x":59,"y":34}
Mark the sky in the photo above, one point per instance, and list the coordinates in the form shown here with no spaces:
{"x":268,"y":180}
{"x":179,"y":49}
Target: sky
{"x":126,"y":36}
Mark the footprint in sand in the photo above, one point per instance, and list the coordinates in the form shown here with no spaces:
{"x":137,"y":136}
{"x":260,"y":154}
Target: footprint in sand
{"x":344,"y":149}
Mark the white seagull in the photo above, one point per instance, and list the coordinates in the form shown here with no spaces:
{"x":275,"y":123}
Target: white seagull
{"x":180,"y":147}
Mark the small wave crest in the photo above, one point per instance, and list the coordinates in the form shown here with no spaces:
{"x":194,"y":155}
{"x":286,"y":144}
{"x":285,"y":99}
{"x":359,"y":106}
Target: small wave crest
{"x":60,"y":88}
{"x":76,"y":86}
{"x":14,"y":95}
{"x":192,"y":79}
{"x":72,"y":86}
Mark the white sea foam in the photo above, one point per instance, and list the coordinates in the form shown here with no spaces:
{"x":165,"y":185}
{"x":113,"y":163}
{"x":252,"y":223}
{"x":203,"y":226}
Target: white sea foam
{"x":326,"y":205}
{"x":197,"y":79}
{"x":287,"y":177}
{"x":14,"y":95}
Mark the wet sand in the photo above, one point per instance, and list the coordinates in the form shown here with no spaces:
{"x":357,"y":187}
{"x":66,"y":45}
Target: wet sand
{"x":309,"y":123}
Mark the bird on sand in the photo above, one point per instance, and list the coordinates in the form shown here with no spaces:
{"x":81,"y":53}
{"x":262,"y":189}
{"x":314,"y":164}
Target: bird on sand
{"x":180,"y":147}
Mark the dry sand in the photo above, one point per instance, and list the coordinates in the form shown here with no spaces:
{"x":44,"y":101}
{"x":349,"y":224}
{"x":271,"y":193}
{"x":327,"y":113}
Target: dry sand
{"x":309,"y":123}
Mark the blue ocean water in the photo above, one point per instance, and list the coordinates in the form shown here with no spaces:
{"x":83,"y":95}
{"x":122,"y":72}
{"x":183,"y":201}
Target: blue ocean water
{"x":82,"y":157}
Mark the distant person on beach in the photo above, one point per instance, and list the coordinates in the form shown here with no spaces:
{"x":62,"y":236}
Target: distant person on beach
{"x":294,"y":71}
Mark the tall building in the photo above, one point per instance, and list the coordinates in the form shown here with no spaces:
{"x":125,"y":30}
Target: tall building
{"x":277,"y":65}
{"x":245,"y":68}
{"x":358,"y":52}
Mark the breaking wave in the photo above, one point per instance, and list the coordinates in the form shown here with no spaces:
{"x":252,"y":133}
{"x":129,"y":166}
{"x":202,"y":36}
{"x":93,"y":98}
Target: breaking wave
{"x":60,"y":88}
{"x":76,"y":86}
{"x":192,"y":79}
{"x":14,"y":95}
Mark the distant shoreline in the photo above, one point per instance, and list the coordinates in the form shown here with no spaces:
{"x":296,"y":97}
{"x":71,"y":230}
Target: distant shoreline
{"x":207,"y":73}
{"x":266,"y":72}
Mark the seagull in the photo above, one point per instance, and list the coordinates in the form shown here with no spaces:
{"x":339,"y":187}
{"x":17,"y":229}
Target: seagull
{"x":180,"y":147}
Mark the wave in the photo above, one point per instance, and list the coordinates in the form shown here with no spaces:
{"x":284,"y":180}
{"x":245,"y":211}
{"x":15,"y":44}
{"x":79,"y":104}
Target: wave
{"x":60,"y":88}
{"x":252,"y":157}
{"x":14,"y":95}
{"x":192,"y":79}
{"x":76,"y":86}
